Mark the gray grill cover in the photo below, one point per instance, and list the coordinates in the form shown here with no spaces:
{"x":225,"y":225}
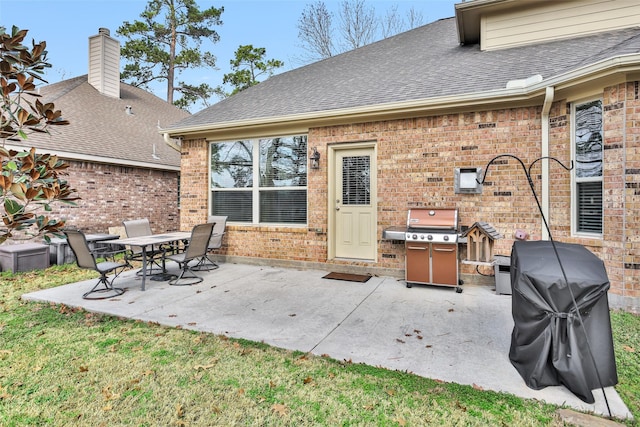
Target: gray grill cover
{"x":548,"y":345}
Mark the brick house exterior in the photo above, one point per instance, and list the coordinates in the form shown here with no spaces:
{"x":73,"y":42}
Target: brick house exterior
{"x":469,"y":105}
{"x":133,"y":193}
{"x":120,"y":164}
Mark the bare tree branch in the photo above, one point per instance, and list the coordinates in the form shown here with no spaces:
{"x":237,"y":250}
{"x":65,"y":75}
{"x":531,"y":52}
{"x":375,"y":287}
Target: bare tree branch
{"x":414,"y":18}
{"x":358,"y":24}
{"x":392,"y":23}
{"x":315,"y":31}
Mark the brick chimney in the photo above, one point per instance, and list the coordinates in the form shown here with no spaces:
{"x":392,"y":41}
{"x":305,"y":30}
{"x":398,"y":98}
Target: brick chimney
{"x":104,"y":63}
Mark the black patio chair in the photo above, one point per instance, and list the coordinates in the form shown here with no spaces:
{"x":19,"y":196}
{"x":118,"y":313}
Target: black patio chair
{"x":205,"y":263}
{"x":198,"y":243}
{"x":87,"y":260}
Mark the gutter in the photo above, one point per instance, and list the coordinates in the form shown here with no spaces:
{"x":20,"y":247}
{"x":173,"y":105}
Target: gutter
{"x":546,"y":126}
{"x":363,"y":113}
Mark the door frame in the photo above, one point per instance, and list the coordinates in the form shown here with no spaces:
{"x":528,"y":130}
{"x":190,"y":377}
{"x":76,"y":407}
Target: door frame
{"x":333,"y":150}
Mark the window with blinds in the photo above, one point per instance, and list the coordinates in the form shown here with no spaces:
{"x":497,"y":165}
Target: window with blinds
{"x":260,"y":181}
{"x":588,"y":160}
{"x":356,"y":189}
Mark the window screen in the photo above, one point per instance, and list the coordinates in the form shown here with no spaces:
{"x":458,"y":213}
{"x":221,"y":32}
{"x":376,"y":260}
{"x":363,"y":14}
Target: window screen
{"x":289,"y":206}
{"x":589,"y":197}
{"x":236,"y":205}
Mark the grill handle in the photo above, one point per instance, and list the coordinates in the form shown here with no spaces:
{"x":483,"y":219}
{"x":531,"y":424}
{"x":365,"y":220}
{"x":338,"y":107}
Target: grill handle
{"x":444,"y":250}
{"x":417,"y":248}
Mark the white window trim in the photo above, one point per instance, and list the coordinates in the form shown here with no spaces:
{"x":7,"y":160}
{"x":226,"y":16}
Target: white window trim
{"x":574,"y":180}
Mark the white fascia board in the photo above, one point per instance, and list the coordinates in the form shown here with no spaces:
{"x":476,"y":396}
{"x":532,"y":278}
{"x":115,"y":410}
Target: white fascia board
{"x":361,"y":113}
{"x":624,"y":63}
{"x":95,"y":159}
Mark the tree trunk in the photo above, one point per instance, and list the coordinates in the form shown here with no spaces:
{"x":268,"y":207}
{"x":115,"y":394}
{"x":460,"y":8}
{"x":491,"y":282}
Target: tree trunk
{"x":172,"y":56}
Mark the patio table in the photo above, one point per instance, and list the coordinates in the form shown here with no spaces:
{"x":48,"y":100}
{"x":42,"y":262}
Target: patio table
{"x":149,"y":241}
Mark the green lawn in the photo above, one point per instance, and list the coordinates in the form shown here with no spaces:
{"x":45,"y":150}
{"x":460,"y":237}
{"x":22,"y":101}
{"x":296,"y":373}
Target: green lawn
{"x":61,"y":366}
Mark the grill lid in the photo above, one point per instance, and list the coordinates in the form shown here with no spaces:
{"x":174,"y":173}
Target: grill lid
{"x":433,"y":219}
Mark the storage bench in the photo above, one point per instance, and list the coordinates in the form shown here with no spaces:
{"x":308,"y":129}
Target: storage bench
{"x":24,"y":257}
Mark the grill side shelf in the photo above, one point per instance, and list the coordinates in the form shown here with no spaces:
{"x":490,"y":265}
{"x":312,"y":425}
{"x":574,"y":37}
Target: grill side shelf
{"x":394,"y":233}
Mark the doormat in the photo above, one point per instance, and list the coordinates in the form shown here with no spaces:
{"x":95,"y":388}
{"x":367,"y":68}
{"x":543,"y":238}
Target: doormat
{"x":348,"y":277}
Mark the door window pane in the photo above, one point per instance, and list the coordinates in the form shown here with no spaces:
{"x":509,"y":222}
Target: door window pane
{"x":356,"y":188}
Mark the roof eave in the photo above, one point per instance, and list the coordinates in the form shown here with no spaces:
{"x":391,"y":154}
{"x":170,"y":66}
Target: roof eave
{"x":468,"y":16}
{"x":388,"y":111}
{"x":98,"y":159}
{"x":365,"y":113}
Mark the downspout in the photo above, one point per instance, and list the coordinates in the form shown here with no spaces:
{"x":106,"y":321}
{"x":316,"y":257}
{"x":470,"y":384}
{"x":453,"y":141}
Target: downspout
{"x":170,"y":142}
{"x":544,"y":195}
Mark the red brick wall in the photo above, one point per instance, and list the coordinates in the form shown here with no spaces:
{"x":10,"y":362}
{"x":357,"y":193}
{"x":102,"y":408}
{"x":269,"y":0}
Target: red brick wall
{"x":416,"y":162}
{"x":194,"y":188}
{"x":111,"y":194}
{"x":630,"y":189}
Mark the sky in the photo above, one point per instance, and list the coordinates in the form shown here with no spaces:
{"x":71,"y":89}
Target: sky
{"x":66,"y":26}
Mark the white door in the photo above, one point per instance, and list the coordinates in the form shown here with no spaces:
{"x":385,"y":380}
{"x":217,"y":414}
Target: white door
{"x":354,"y":204}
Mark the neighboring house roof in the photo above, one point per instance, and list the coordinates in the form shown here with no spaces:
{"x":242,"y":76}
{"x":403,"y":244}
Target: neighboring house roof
{"x":412,"y":71}
{"x":101,"y":130}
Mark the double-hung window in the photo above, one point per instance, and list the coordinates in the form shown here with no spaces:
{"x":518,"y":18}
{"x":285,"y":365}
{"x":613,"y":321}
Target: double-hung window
{"x":262,"y":181}
{"x":588,"y":151}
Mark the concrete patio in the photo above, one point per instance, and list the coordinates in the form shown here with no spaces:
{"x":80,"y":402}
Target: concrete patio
{"x":429,"y":331}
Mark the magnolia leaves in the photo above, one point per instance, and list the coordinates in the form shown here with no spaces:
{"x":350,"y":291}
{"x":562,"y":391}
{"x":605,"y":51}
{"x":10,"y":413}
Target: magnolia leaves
{"x":29,"y":182}
{"x":19,"y":68}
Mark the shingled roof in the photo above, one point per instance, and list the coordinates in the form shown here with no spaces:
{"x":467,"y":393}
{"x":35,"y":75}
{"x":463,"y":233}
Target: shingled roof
{"x":423,"y":65}
{"x":101,"y":129}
